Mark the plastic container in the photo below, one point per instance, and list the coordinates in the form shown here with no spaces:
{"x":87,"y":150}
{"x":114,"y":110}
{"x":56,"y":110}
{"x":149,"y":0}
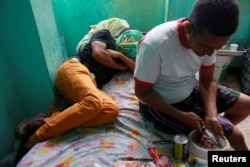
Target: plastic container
{"x":223,"y":59}
{"x":200,"y":152}
{"x":234,"y":46}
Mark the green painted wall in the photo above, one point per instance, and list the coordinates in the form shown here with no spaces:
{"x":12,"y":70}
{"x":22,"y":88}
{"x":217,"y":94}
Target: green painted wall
{"x":242,"y":35}
{"x":53,"y":46}
{"x":74,"y":17}
{"x":25,"y":84}
{"x":179,"y":8}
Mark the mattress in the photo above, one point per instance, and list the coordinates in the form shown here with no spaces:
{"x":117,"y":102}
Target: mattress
{"x":127,"y":138}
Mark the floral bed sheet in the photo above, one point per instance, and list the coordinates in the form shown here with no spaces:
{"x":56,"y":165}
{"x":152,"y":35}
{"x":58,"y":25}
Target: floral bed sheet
{"x":128,"y":137}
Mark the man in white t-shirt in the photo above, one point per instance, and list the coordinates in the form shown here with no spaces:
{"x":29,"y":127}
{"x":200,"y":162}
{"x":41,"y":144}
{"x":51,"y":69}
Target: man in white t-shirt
{"x":169,"y":56}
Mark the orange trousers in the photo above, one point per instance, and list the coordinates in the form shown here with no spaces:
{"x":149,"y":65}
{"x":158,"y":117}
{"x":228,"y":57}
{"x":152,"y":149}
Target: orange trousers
{"x":91,"y":106}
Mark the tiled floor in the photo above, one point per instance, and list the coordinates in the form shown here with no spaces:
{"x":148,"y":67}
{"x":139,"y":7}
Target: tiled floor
{"x":233,"y":81}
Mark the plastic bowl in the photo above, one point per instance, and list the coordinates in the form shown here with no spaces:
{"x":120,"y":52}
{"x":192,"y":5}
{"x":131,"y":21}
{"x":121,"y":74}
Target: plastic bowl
{"x":201,"y":152}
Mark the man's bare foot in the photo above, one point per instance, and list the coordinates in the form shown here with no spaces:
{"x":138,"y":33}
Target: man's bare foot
{"x":46,"y":119}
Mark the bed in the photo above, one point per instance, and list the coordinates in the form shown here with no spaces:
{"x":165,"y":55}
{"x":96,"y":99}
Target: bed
{"x":127,"y":138}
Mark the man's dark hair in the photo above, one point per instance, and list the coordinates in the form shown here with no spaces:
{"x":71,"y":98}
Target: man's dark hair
{"x":218,"y":17}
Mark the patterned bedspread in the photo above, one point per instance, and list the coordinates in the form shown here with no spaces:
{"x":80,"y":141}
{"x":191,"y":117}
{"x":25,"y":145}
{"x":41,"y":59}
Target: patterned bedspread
{"x":129,"y":136}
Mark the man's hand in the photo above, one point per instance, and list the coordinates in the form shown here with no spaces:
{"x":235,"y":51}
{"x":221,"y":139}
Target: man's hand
{"x":214,"y":125}
{"x":104,"y":57}
{"x":129,"y":62}
{"x":193,"y":121}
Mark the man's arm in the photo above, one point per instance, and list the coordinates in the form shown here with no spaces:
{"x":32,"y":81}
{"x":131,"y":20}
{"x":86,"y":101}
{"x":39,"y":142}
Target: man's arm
{"x":129,"y":62}
{"x":209,"y":93}
{"x":148,"y":96}
{"x":100,"y":54}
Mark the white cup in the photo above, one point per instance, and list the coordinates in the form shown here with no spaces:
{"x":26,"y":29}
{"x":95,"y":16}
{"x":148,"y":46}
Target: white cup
{"x":234,"y":46}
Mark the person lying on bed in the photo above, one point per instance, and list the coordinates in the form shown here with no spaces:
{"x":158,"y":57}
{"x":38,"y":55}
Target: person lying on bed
{"x":175,"y":51}
{"x":79,"y":80}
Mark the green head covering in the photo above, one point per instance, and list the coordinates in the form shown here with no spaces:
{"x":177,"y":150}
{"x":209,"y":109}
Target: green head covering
{"x":126,"y":43}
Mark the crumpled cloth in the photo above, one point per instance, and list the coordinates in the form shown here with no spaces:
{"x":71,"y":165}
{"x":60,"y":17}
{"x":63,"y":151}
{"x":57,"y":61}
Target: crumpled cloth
{"x":127,"y":42}
{"x":115,"y":26}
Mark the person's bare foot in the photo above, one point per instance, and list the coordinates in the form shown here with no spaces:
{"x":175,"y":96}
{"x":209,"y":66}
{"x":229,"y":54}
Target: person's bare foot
{"x":46,"y":119}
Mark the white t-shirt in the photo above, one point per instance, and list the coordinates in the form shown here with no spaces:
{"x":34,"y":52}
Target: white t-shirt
{"x":164,"y":63}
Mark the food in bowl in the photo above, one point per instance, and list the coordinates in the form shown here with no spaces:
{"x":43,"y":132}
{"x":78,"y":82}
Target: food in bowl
{"x":208,"y":140}
{"x":201,"y":152}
